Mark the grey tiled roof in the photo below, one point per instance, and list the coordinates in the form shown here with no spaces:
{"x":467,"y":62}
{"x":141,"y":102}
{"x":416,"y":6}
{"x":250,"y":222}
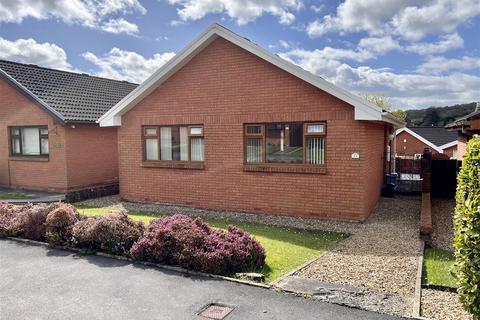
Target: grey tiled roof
{"x":436,"y":135}
{"x":77,"y":97}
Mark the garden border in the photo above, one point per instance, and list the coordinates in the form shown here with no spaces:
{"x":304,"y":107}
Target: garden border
{"x":145,"y":263}
{"x":417,"y":299}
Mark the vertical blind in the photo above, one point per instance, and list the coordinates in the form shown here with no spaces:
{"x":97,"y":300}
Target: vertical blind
{"x":315,"y":153}
{"x":166,"y":143}
{"x":183,"y":143}
{"x":197,"y":149}
{"x":254,"y":150}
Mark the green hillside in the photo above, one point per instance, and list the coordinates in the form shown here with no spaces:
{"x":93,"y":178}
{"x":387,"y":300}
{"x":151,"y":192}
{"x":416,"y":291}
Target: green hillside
{"x":438,"y":116}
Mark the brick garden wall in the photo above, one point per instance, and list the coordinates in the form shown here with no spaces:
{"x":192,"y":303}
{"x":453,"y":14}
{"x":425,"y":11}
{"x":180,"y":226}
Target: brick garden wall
{"x":224,"y":87}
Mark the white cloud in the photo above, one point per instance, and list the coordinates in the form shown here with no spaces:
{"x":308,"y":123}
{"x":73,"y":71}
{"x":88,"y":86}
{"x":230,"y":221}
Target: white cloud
{"x":436,"y":65}
{"x":284,"y":44}
{"x":29,"y":51}
{"x":447,"y":42}
{"x":88,"y":13}
{"x":241,"y":11}
{"x":412,"y":20}
{"x":379,"y":45}
{"x":317,"y":8}
{"x":127,"y":65}
{"x":358,"y":15}
{"x":406,"y":90}
{"x":437,"y":17}
{"x":120,"y":25}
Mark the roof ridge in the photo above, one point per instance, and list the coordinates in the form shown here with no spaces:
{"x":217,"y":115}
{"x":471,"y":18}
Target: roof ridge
{"x":65,"y":71}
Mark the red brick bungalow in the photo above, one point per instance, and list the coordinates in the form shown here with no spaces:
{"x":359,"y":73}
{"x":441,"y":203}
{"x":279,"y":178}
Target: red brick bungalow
{"x":228,"y":125}
{"x":410,"y":142}
{"x":48,"y":132}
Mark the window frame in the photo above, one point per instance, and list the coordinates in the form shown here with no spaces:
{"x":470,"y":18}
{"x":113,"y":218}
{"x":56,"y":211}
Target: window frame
{"x":158,"y":137}
{"x":263,"y":136}
{"x":19,"y":136}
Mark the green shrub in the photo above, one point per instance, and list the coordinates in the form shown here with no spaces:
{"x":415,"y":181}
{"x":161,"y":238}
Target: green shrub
{"x":467,"y":229}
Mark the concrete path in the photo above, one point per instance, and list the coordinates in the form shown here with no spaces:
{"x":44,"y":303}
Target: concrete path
{"x":31,"y":196}
{"x":41,"y":283}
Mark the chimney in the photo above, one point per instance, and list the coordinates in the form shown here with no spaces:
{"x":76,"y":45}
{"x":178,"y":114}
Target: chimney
{"x":477,"y":108}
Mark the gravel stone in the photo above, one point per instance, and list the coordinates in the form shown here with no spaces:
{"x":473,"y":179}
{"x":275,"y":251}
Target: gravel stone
{"x":442,"y":222}
{"x":442,"y":305}
{"x":115,"y":202}
{"x":380,"y":255}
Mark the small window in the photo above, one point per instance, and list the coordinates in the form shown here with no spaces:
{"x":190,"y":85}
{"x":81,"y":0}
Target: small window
{"x":29,"y":141}
{"x":315,"y":128}
{"x":173,"y":143}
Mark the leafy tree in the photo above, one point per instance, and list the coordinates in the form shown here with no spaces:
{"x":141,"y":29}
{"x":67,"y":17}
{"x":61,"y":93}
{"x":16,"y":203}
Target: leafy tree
{"x":379,"y":99}
{"x":400,"y":114}
{"x":467,"y":229}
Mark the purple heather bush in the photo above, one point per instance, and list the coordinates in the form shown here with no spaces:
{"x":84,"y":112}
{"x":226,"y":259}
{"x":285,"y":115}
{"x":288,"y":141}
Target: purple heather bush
{"x":30,"y":222}
{"x":8,"y":212}
{"x":59,"y":224}
{"x":191,"y":243}
{"x":113,"y":233}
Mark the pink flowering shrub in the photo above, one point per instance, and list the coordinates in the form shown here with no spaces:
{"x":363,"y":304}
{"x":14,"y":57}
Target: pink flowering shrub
{"x":30,"y":222}
{"x":113,"y":233}
{"x":59,"y":224}
{"x":8,"y":212}
{"x":191,"y":243}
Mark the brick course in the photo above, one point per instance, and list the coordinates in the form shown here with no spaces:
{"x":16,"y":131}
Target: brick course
{"x":225,"y":87}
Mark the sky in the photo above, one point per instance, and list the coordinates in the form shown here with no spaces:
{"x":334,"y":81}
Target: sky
{"x":417,"y":53}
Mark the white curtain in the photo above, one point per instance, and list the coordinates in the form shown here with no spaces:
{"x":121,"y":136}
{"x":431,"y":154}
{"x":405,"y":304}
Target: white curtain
{"x":315,"y":150}
{"x":184,"y":143}
{"x":254,"y":151}
{"x":197,"y":149}
{"x":166,"y":143}
{"x":151,"y":149}
{"x":30,"y":141}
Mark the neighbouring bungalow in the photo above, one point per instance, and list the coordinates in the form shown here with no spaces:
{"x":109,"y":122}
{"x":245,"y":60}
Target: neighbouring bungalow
{"x":48,"y":132}
{"x":411,"y":142}
{"x":466,"y":127}
{"x":228,"y":125}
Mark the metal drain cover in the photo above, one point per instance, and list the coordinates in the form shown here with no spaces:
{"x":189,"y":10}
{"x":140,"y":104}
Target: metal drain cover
{"x":215,"y":311}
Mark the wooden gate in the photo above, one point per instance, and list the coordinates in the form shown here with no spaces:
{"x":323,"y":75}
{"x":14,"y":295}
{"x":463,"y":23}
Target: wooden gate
{"x":444,"y":178}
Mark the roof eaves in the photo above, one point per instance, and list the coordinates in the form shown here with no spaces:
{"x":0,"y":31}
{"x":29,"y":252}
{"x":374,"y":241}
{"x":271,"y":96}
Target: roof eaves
{"x":54,"y":113}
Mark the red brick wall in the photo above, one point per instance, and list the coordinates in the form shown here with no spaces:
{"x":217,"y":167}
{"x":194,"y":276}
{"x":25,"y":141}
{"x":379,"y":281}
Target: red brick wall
{"x":17,"y":110}
{"x":449,"y":151}
{"x":224,"y":87}
{"x":92,"y":155}
{"x":411,"y":147}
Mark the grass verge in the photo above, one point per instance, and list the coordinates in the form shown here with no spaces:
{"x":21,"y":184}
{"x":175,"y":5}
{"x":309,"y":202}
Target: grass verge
{"x":286,"y":248}
{"x":438,"y":267}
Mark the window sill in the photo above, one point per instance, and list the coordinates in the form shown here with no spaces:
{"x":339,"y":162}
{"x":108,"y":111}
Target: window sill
{"x":29,"y":158}
{"x":174,"y":165}
{"x":284,"y":168}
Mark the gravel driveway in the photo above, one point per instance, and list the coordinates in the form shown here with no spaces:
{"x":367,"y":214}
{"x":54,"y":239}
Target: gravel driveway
{"x":381,"y":254}
{"x":442,"y":222}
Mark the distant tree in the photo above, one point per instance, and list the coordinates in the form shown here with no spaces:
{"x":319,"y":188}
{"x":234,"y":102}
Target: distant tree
{"x":379,"y":99}
{"x":383,"y":102}
{"x":400,"y":114}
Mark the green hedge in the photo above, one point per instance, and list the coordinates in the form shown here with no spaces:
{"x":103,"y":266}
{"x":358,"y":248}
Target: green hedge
{"x":467,"y":229}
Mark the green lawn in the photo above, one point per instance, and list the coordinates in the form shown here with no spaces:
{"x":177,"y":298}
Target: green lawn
{"x":12,"y":195}
{"x":286,"y":248}
{"x":437,"y":268}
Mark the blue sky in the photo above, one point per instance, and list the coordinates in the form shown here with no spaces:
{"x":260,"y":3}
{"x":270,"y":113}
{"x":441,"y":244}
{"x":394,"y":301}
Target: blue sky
{"x":418,"y":53}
